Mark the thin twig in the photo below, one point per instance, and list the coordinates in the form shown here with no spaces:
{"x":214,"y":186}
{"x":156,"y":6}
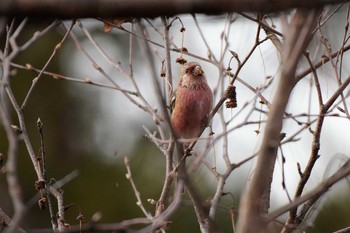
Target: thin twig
{"x":42,"y":162}
{"x":139,"y":202}
{"x":36,"y":79}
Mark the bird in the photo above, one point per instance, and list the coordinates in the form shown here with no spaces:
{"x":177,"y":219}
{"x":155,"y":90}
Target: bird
{"x":191,"y":109}
{"x":193,"y":102}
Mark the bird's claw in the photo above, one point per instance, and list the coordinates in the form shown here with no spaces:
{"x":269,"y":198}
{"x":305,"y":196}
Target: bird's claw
{"x":188,"y":152}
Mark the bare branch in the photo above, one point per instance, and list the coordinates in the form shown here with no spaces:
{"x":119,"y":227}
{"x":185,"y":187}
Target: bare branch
{"x":256,"y":200}
{"x":121,"y":227}
{"x":139,"y":202}
{"x":5,"y":220}
{"x":316,"y":193}
{"x":140,"y":8}
{"x":344,"y":230}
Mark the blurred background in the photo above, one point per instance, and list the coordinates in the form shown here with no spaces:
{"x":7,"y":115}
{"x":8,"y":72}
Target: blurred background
{"x":90,"y":129}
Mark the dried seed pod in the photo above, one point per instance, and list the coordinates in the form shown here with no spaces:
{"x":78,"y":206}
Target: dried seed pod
{"x":184,"y":49}
{"x":81,"y":217}
{"x":181,"y":60}
{"x":39,"y":185}
{"x":42,"y":203}
{"x":231,"y":97}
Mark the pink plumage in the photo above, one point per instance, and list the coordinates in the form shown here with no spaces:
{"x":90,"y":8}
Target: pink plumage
{"x":193,"y":102}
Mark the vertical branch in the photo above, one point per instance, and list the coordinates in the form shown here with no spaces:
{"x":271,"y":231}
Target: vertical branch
{"x":137,"y":193}
{"x":15,"y":189}
{"x":206,"y":224}
{"x":169,"y":76}
{"x":24,"y":133}
{"x":177,"y":196}
{"x":256,"y":199}
{"x":41,"y":160}
{"x":169,"y":176}
{"x":58,"y":194}
{"x":217,"y":196}
{"x":14,"y":186}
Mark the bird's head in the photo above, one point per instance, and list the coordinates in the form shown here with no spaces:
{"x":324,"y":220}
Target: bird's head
{"x":192,"y":69}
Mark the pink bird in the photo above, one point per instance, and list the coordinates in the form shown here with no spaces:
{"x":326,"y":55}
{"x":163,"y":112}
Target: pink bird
{"x":193,"y":102}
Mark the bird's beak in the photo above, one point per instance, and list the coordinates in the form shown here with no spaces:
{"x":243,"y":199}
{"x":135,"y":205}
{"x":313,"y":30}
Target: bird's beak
{"x":198,"y":71}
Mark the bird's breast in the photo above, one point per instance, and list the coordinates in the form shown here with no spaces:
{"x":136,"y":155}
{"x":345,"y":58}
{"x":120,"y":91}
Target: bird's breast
{"x":192,"y":107}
